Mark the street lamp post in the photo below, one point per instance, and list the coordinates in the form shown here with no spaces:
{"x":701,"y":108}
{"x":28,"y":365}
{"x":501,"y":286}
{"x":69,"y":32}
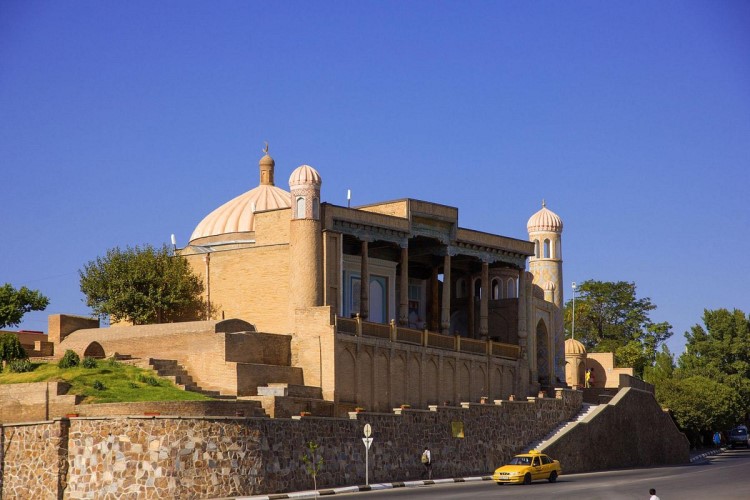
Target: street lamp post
{"x":573,"y":329}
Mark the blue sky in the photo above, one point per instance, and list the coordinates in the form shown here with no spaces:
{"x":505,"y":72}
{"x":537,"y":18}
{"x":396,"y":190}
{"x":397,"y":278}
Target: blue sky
{"x":124,"y":122}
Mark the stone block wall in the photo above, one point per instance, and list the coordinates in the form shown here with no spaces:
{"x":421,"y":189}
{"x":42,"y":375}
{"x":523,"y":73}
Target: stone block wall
{"x":630,"y":431}
{"x":212,"y":457}
{"x":35,"y":401}
{"x":34,"y":460}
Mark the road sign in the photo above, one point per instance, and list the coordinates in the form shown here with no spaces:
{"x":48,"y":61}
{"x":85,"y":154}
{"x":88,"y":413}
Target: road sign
{"x":367,"y":441}
{"x":368,"y":430}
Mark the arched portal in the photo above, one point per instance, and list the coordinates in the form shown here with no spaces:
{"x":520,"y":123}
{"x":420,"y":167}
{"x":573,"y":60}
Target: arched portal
{"x":542,"y":350}
{"x":94,"y":350}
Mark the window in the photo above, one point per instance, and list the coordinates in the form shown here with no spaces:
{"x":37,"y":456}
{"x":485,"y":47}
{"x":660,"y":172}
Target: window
{"x":300,"y":209}
{"x":496,"y":290}
{"x":536,"y":248}
{"x":477,"y":289}
{"x":511,"y":288}
{"x":546,"y":249}
{"x":316,"y":209}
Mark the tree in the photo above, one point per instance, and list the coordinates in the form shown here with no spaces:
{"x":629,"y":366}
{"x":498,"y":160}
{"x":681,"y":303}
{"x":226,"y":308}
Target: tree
{"x":15,"y":303}
{"x":700,"y":405}
{"x":11,"y":348}
{"x":662,"y":369}
{"x":720,"y":351}
{"x":142,"y":286}
{"x":313,"y":460}
{"x":609,"y":318}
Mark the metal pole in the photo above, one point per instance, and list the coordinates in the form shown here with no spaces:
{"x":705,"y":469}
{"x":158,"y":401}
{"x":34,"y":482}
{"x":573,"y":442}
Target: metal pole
{"x":367,"y":465}
{"x":573,"y":329}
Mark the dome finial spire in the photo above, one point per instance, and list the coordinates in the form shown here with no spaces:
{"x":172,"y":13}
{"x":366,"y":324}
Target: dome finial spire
{"x":544,"y":203}
{"x":266,"y":167}
{"x":265,"y":150}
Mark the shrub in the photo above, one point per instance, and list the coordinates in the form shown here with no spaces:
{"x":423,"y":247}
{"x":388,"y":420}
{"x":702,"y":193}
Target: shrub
{"x":112,"y":361}
{"x":10,"y":348}
{"x":69,"y":360}
{"x":99,"y":386}
{"x":148,"y":379}
{"x":133,"y":385}
{"x":20,"y":366}
{"x":88,"y":362}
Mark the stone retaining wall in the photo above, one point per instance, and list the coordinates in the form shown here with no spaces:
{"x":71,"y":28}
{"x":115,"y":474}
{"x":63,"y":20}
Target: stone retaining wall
{"x":215,"y":457}
{"x":630,"y":431}
{"x":211,"y":457}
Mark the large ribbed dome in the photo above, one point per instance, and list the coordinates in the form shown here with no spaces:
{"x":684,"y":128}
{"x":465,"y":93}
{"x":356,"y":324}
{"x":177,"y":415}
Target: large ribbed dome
{"x":545,"y":220}
{"x":238,"y":215}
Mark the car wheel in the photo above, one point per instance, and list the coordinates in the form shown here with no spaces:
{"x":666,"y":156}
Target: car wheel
{"x":553,"y":476}
{"x":499,"y":483}
{"x":527,"y":479}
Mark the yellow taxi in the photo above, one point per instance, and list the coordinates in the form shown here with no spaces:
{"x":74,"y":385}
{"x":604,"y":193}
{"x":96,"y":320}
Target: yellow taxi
{"x":528,"y":467}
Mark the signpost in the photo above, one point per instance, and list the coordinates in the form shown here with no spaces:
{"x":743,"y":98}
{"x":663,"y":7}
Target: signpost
{"x":368,"y":441}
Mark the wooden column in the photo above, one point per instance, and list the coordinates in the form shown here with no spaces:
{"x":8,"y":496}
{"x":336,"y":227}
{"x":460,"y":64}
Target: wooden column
{"x":483,"y":305}
{"x":403,"y":303}
{"x":445,"y":310}
{"x":364,"y":288}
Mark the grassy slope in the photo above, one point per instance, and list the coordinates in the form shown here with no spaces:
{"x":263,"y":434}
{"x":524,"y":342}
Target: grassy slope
{"x":123,"y":383}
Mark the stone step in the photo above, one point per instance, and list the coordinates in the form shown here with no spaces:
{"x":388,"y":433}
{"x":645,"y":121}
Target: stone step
{"x":281,"y":389}
{"x":586,"y":408}
{"x":289,"y":406}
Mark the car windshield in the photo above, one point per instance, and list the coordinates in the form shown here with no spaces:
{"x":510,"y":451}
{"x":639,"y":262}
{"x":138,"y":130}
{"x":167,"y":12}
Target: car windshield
{"x":739,"y":430}
{"x":520,"y":461}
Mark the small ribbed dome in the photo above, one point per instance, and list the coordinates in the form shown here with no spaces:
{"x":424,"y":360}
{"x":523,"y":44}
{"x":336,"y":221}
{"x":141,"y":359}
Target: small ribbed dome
{"x":572,"y":346}
{"x":304,"y":175}
{"x":267,"y":160}
{"x":545,"y":220}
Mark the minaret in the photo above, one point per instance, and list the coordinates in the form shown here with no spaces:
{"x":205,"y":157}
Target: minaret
{"x":305,"y":239}
{"x":545,"y":230}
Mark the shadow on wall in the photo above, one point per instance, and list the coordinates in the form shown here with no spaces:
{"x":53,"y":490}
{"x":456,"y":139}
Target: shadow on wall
{"x":632,"y":428}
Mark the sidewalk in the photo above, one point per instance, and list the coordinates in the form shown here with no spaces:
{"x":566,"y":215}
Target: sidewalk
{"x":694,"y":457}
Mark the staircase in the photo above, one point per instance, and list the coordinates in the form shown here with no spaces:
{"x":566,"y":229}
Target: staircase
{"x":170,"y":369}
{"x":283,"y":400}
{"x":586,"y":409}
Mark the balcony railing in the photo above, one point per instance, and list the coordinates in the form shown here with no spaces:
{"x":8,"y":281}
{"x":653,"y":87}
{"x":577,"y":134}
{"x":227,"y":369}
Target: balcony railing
{"x":357,"y":327}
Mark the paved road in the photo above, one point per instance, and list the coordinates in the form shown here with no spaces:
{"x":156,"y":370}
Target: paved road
{"x":724,"y":476}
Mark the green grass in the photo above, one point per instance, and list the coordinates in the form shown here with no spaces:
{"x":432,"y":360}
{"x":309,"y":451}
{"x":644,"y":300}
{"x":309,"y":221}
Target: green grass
{"x":122,"y":383}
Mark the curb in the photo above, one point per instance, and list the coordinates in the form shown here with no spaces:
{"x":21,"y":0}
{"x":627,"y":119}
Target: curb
{"x":371,"y":487}
{"x":707,"y":454}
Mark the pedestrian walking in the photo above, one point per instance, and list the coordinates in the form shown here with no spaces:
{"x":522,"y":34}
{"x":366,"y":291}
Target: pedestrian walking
{"x":717,"y":438}
{"x":588,"y":378}
{"x":653,"y":496}
{"x":427,"y":462}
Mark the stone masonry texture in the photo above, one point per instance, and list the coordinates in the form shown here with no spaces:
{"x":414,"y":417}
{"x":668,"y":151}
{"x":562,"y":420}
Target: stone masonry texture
{"x":215,"y":457}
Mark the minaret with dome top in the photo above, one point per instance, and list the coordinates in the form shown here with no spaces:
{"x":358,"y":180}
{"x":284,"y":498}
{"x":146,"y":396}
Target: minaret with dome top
{"x":545,"y":231}
{"x":305,"y":239}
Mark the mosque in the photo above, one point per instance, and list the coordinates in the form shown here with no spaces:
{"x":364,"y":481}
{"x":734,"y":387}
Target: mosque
{"x":390,"y":303}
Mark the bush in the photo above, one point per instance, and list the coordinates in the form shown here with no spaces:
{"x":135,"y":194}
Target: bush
{"x":88,"y":362}
{"x":133,"y":385}
{"x":112,"y":361}
{"x":69,"y":360}
{"x":20,"y":366}
{"x":10,"y":348}
{"x":99,"y":386}
{"x":147,"y":379}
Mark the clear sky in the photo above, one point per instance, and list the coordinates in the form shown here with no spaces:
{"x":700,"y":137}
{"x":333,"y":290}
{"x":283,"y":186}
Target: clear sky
{"x":124,"y":122}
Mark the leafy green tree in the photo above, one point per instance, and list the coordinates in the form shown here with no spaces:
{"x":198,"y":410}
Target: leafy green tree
{"x":662,"y":369}
{"x":15,"y":303}
{"x":142,"y":285}
{"x":10,"y":348}
{"x":700,"y":405}
{"x":610,"y":318}
{"x":720,"y":351}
